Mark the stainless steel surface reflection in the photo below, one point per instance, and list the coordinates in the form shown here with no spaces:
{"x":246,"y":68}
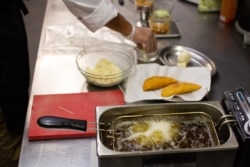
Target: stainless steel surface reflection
{"x":200,"y":31}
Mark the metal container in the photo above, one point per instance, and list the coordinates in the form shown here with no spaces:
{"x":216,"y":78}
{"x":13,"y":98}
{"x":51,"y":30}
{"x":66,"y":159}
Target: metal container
{"x":222,"y":155}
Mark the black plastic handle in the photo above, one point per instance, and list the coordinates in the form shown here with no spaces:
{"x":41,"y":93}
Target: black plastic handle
{"x":62,"y":123}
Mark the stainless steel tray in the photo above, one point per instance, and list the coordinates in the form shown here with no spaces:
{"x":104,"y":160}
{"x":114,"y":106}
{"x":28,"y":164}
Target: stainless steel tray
{"x":172,"y":33}
{"x":169,"y":55}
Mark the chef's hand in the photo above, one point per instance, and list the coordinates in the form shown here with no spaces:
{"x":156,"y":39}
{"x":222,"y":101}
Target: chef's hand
{"x":142,"y":36}
{"x":145,"y":39}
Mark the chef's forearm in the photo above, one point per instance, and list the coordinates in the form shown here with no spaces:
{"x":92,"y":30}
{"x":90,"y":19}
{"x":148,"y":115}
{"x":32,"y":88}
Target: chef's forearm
{"x":120,"y":24}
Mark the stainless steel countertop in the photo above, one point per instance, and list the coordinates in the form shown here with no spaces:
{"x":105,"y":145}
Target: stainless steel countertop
{"x":56,"y":73}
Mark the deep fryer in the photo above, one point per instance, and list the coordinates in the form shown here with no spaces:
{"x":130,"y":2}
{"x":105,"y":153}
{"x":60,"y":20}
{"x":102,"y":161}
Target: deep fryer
{"x":222,"y":155}
{"x":236,"y":102}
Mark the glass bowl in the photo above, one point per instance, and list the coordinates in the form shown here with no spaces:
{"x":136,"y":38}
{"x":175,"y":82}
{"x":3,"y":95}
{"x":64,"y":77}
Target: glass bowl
{"x":106,"y":65}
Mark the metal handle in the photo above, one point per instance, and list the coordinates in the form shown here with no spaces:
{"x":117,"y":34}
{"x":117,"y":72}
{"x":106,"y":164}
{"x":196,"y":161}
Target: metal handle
{"x":225,"y":119}
{"x":62,"y":123}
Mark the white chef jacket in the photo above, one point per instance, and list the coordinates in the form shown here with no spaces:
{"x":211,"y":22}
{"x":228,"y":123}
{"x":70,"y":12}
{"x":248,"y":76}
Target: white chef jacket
{"x":94,"y":14}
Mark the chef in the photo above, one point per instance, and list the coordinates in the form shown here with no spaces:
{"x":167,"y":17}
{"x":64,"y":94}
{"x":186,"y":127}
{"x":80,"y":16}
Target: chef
{"x":95,"y":14}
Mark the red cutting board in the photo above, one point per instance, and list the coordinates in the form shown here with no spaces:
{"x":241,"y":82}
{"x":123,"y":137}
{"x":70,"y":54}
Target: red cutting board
{"x":75,"y":106}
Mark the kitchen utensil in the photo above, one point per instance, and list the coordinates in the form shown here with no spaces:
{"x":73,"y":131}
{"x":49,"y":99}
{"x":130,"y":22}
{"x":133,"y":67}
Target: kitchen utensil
{"x":196,"y":127}
{"x":202,"y":157}
{"x":161,"y":16}
{"x":75,"y":124}
{"x":107,"y":64}
{"x":73,"y":106}
{"x":145,"y":12}
{"x":172,"y":33}
{"x":237,"y":103}
{"x":169,"y":55}
{"x":152,"y":132}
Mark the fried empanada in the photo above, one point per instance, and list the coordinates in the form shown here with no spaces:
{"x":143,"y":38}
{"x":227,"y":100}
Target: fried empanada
{"x":179,"y":88}
{"x":157,"y":82}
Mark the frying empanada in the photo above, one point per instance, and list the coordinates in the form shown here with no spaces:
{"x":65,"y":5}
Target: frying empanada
{"x":179,"y":88}
{"x":157,"y":82}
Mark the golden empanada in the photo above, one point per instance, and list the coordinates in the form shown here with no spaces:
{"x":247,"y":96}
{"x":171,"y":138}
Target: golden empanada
{"x":179,"y":88}
{"x":157,"y":82}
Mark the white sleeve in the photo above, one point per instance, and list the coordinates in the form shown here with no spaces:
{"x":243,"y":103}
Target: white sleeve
{"x":94,"y":14}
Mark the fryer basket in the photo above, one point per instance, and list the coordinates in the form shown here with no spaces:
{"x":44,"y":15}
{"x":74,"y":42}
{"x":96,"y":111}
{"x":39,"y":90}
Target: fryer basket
{"x":173,"y":118}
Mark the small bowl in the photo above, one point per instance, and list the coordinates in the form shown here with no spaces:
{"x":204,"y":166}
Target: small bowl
{"x":110,"y":55}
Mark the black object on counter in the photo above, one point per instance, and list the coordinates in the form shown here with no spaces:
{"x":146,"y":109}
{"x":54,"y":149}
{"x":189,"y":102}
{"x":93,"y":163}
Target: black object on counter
{"x":244,"y":23}
{"x":121,"y":2}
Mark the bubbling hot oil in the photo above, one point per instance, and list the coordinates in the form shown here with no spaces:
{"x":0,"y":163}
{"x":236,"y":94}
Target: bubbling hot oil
{"x":160,"y":135}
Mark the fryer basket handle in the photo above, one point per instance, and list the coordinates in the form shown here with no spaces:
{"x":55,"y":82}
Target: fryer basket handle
{"x":62,"y":123}
{"x":225,"y":120}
